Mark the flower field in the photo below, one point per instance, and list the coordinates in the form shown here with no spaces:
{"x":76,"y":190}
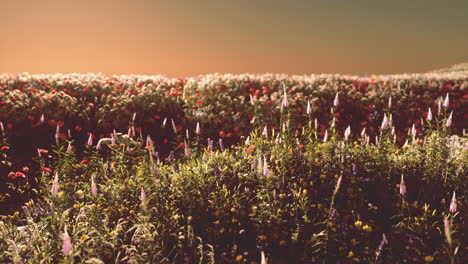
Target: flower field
{"x":233,"y":168}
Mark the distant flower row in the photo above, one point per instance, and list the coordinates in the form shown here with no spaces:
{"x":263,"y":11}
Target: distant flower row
{"x":228,"y":105}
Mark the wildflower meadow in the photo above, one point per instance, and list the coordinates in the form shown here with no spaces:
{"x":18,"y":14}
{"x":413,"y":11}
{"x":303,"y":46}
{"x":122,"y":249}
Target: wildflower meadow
{"x":233,"y":168}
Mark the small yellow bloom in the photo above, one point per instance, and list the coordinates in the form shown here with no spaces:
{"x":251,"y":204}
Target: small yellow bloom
{"x":351,"y":254}
{"x":282,"y":243}
{"x":323,"y":176}
{"x":234,"y":220}
{"x":16,"y":213}
{"x":281,"y":195}
{"x":132,"y":212}
{"x":263,"y":237}
{"x":358,"y":224}
{"x":304,"y":192}
{"x":76,"y":206}
{"x":122,"y":187}
{"x":233,"y":209}
{"x":367,"y":228}
{"x":84,"y":237}
{"x":222,"y":230}
{"x":239,"y":258}
{"x":428,"y":258}
{"x":189,"y":219}
{"x":216,"y":222}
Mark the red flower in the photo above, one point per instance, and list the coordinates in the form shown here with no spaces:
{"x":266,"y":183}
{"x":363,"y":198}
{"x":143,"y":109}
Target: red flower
{"x":52,"y":122}
{"x":78,"y":128}
{"x":179,"y":127}
{"x":44,"y":169}
{"x":5,"y":148}
{"x":60,"y":123}
{"x":199,"y":102}
{"x":181,"y":145}
{"x":43,"y":151}
{"x":222,"y":134}
{"x":85,"y":162}
{"x":20,"y":174}
{"x":12,"y":175}
{"x":25,"y":169}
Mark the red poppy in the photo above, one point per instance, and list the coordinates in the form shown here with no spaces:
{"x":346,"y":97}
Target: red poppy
{"x":181,"y":145}
{"x":60,"y":123}
{"x":78,"y":128}
{"x":43,"y":151}
{"x":25,"y":169}
{"x":44,"y":169}
{"x":222,"y":134}
{"x":20,"y":174}
{"x":12,"y":175}
{"x":85,"y":162}
{"x":5,"y":148}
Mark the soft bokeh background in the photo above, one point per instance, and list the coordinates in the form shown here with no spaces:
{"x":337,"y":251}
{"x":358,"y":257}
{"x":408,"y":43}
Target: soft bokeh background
{"x":186,"y":38}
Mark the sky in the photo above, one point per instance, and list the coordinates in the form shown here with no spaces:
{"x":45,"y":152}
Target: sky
{"x":186,"y":38}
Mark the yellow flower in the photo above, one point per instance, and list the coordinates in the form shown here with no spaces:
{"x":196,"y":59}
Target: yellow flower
{"x":323,"y":176}
{"x":351,"y":254}
{"x":132,"y":212}
{"x":263,"y":237}
{"x":254,"y":208}
{"x":222,"y":230}
{"x":84,"y":236}
{"x":76,"y":206}
{"x":367,"y":228}
{"x":16,"y":213}
{"x":358,"y":224}
{"x":216,"y":222}
{"x":281,"y":195}
{"x":233,"y":209}
{"x":239,"y":258}
{"x":282,"y":243}
{"x":189,"y":219}
{"x":428,"y":258}
{"x":234,"y":220}
{"x":304,"y":191}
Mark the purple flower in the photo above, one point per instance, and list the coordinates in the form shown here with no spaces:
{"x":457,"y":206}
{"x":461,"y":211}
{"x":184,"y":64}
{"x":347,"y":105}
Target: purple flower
{"x":67,"y":246}
{"x":453,"y":204}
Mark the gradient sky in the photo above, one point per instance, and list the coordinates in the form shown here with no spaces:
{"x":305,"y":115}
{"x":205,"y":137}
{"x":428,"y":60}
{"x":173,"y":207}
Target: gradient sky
{"x":186,"y":38}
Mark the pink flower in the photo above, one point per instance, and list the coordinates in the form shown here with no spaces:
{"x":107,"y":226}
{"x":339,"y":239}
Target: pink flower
{"x":448,"y":123}
{"x":93,"y":187}
{"x":402,"y":186}
{"x":453,"y":204}
{"x":336,"y":100}
{"x":347,"y":133}
{"x":55,"y":185}
{"x":429,"y":114}
{"x":446,"y":101}
{"x":67,"y":246}
{"x":90,"y":140}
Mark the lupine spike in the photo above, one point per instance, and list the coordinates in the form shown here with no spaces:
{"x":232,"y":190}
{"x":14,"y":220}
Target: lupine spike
{"x":384,"y":122}
{"x":93,"y":187}
{"x":247,"y":141}
{"x":187,"y":135}
{"x":133,"y":117}
{"x":197,"y":129}
{"x":448,"y":123}
{"x":347,"y":132}
{"x":315,"y":123}
{"x":453,"y":204}
{"x":309,"y":110}
{"x":325,"y":137}
{"x":90,"y":139}
{"x":251,"y":100}
{"x":142,"y":195}
{"x":164,"y":122}
{"x":389,"y":102}
{"x":402,"y":186}
{"x":363,"y":132}
{"x":446,"y":101}
{"x":221,"y":144}
{"x":69,"y":148}
{"x":265,"y":131}
{"x":55,"y":185}
{"x":67,"y":246}
{"x":173,"y":126}
{"x":429,"y":114}
{"x":336,"y":100}
{"x":42,"y":118}
{"x":262,"y":258}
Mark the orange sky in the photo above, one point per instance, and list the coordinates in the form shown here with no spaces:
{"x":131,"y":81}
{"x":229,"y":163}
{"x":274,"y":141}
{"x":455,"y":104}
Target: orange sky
{"x":186,"y":38}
